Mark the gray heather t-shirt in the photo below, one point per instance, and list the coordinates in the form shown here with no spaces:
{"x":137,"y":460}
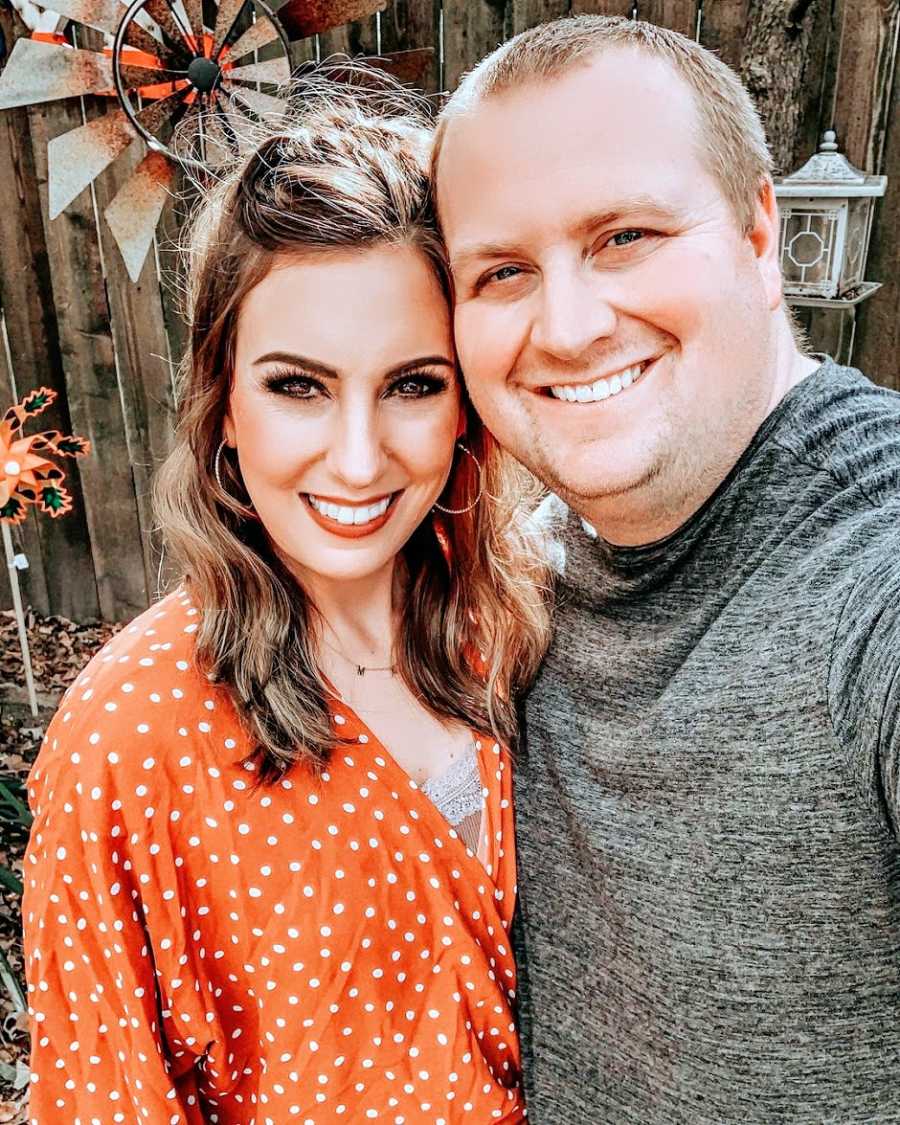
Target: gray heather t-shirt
{"x":707,"y":800}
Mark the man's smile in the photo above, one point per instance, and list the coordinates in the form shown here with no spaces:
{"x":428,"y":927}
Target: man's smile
{"x":598,"y":389}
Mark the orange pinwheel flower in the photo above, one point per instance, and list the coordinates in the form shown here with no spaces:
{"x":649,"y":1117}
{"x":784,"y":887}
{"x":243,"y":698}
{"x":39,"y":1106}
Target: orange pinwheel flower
{"x":27,"y":475}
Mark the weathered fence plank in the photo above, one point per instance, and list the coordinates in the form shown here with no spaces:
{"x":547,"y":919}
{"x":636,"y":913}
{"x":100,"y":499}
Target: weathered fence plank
{"x":528,"y":13}
{"x":604,"y":7}
{"x":89,"y":361}
{"x":60,"y":578}
{"x":679,"y":15}
{"x":723,"y":28}
{"x":878,"y":321}
{"x":408,"y":24}
{"x":472,"y":28}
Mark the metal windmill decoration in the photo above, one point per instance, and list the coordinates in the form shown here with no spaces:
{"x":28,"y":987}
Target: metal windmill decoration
{"x":188,"y":76}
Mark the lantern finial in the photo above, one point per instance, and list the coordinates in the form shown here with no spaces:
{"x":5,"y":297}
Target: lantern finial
{"x":829,"y":141}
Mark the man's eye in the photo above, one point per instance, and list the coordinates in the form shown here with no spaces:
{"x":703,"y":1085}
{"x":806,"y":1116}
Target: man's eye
{"x":504,"y":273}
{"x":625,"y":237}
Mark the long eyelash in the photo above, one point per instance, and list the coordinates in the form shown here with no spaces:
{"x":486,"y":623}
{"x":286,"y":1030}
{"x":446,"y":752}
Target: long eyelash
{"x":432,"y":384}
{"x":281,"y":378}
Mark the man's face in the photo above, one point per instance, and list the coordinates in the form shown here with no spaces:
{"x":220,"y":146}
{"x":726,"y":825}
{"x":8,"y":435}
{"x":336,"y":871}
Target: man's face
{"x":613,"y":323}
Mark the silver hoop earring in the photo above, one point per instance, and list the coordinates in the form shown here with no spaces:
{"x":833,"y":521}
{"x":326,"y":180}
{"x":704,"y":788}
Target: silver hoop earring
{"x":469,"y":507}
{"x":248,"y":509}
{"x":217,"y":464}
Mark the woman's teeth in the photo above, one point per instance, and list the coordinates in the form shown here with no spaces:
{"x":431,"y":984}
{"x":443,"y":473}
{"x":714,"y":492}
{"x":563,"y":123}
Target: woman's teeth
{"x":603,"y":388}
{"x":347,"y":515}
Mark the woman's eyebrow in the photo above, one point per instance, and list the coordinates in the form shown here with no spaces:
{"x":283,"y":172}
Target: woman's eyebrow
{"x":423,"y":361}
{"x":295,"y":360}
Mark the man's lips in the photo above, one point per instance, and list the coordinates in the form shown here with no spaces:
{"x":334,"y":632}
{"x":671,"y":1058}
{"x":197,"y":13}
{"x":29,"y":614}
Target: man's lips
{"x":350,"y":520}
{"x":600,"y":389}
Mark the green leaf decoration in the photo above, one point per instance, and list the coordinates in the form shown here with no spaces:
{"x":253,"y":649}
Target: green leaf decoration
{"x":13,"y":510}
{"x":53,"y":500}
{"x":37,"y":401}
{"x":72,"y":446}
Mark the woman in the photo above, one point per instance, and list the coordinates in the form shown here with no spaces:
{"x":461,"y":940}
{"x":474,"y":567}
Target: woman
{"x":246,"y":899}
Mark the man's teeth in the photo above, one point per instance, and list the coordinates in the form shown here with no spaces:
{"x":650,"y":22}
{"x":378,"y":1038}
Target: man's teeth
{"x":603,"y":388}
{"x":345,"y":514}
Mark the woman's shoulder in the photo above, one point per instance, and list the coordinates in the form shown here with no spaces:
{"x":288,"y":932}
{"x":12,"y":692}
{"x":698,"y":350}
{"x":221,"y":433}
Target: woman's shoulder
{"x":140,"y":706}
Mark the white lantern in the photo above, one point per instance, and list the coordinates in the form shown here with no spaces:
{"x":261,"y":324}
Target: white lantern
{"x":826,"y":218}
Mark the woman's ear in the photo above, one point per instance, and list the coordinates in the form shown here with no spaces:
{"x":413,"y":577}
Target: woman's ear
{"x":461,"y":423}
{"x":228,"y":432}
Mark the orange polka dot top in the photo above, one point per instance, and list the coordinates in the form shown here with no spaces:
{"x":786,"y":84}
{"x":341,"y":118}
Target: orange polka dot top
{"x":323,"y":950}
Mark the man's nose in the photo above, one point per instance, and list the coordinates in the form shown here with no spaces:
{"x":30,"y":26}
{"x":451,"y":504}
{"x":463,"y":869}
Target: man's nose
{"x":574,"y":312}
{"x":356,"y":453}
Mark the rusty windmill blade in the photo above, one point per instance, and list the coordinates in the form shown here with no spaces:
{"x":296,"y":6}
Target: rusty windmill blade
{"x":46,"y":72}
{"x":261,"y":34}
{"x":406,"y":66}
{"x":102,"y":15}
{"x":175,"y":37}
{"x":76,"y":158}
{"x":134,"y":212}
{"x":302,"y":18}
{"x":272,"y":72}
{"x":193,"y":9}
{"x":226,"y":18}
{"x":105,"y":16}
{"x":263,"y":105}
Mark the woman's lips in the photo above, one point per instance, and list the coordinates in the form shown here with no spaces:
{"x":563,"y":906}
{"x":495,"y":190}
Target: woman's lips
{"x":345,"y":530}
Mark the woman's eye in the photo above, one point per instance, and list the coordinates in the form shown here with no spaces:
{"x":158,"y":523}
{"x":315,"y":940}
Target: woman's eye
{"x":295,"y":386}
{"x":417,"y":386}
{"x":626,"y":237}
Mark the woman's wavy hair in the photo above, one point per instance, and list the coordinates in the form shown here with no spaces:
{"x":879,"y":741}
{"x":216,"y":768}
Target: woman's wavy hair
{"x":347,"y":167}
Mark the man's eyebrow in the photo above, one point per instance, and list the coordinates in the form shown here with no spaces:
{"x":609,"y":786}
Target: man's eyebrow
{"x":628,"y":208}
{"x":294,"y":360}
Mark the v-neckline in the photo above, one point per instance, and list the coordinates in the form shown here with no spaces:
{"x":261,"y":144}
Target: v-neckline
{"x":437,"y":822}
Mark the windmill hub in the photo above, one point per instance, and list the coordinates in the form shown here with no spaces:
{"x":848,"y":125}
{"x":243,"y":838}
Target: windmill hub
{"x":204,"y":74}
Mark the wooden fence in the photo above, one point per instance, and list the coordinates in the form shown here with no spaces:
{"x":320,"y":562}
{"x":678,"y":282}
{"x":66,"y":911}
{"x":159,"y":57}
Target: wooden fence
{"x":72,"y":320}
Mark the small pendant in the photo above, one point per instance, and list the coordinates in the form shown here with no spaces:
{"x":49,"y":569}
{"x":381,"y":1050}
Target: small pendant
{"x":360,"y":670}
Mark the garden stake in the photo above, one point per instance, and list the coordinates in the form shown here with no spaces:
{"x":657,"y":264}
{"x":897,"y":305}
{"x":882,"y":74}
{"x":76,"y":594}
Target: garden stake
{"x":13,"y":568}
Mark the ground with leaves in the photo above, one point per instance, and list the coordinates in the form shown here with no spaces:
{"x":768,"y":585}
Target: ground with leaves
{"x":59,"y":650}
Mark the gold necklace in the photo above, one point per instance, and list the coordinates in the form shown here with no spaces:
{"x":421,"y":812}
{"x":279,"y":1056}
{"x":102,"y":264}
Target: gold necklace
{"x":361,"y":669}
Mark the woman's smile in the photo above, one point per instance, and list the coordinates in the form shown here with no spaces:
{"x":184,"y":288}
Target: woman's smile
{"x":351,"y":519}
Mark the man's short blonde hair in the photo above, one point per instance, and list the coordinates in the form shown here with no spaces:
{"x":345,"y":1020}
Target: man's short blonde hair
{"x":731,"y":141}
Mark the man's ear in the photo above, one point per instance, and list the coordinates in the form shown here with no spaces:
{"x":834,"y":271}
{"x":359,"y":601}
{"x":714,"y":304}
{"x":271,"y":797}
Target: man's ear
{"x":764,"y":238}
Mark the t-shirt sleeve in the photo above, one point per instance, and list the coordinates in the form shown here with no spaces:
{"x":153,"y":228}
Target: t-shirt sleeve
{"x":99,"y":1047}
{"x":864,"y":680}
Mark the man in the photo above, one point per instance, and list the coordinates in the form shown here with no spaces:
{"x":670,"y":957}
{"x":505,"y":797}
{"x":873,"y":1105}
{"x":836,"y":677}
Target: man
{"x":708,"y":799}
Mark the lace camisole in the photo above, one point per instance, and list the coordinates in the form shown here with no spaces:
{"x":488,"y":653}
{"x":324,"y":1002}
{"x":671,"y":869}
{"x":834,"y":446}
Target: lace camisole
{"x":458,"y":797}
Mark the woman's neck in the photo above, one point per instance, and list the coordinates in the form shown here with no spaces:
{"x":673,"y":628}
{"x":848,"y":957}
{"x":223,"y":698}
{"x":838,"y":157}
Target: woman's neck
{"x":359,"y":617}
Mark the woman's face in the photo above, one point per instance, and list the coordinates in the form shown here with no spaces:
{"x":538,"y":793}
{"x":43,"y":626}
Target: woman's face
{"x":344,"y":406}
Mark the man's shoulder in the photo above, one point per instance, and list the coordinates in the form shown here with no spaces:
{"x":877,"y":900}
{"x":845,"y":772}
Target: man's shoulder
{"x":842,"y":423}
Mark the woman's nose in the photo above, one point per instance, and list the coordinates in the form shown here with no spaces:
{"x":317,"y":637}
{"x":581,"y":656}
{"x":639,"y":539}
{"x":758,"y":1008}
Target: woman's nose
{"x":356,"y":453}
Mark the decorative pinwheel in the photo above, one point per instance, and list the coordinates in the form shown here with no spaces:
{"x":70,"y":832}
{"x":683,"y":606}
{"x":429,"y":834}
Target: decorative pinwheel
{"x":27,"y":475}
{"x":188,"y":76}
